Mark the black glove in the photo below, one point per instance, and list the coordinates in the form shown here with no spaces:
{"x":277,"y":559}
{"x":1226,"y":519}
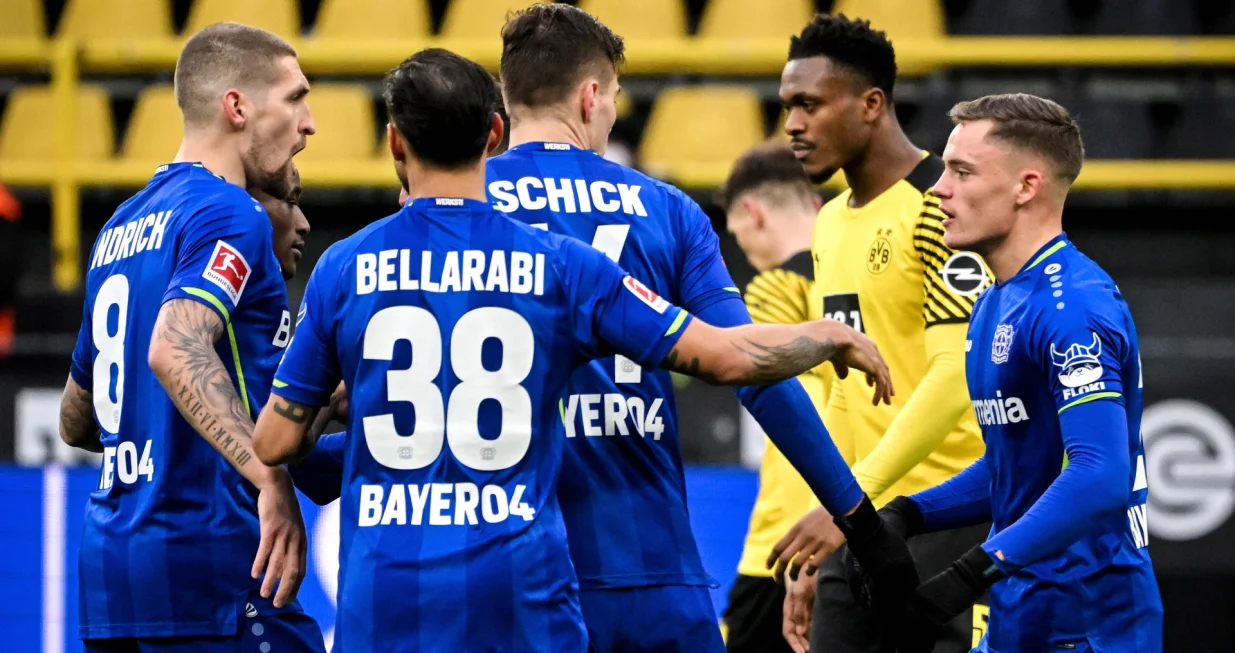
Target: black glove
{"x":943,"y":597}
{"x":877,"y":555}
{"x":902,"y":518}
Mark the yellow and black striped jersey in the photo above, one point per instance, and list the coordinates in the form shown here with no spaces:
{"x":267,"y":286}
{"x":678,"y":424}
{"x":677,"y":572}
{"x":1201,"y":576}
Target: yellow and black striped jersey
{"x":883,"y":269}
{"x":781,"y":296}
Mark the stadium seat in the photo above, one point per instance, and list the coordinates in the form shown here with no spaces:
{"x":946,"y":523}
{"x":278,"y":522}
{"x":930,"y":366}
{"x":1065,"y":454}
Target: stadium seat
{"x":700,"y":128}
{"x":155,"y":128}
{"x":901,"y":19}
{"x":372,"y":19}
{"x":278,"y":16}
{"x":22,"y":19}
{"x":345,"y":123}
{"x":115,"y":19}
{"x":1000,"y":17}
{"x":640,"y":19}
{"x":743,"y":19}
{"x":479,"y":19}
{"x":1143,"y":17}
{"x":27,"y":130}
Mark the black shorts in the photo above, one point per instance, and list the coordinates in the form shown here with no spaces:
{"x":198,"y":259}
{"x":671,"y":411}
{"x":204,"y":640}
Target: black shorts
{"x":754,"y":616}
{"x":840,"y":625}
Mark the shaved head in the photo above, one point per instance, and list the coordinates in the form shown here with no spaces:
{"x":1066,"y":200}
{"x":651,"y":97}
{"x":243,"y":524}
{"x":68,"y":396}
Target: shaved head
{"x":224,"y":56}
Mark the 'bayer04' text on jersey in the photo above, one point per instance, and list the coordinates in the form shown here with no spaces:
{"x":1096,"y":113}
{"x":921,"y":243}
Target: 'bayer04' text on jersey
{"x":172,"y":530}
{"x":1055,"y":336}
{"x":456,"y":330}
{"x":620,"y":418}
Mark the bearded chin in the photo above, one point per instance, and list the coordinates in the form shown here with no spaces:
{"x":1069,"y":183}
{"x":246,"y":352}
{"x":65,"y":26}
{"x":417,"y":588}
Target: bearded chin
{"x":275,"y":183}
{"x":821,"y":176}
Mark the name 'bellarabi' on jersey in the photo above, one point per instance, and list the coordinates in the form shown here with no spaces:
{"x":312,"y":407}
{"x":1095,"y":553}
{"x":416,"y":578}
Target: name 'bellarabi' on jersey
{"x":620,"y":419}
{"x":1054,"y":337}
{"x":456,"y":329}
{"x":171,"y":529}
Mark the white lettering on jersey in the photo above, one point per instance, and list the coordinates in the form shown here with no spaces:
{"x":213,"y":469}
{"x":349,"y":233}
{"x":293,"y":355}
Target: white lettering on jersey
{"x":1069,"y":393}
{"x":645,"y":294}
{"x":284,"y":333}
{"x":447,"y":504}
{"x":566,"y":196}
{"x":1138,"y":523}
{"x":466,"y":271}
{"x":614,"y":410}
{"x":1000,"y":411}
{"x":137,"y":236}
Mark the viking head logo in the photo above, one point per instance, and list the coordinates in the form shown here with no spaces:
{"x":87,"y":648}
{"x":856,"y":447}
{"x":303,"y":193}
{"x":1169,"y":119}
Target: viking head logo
{"x":1080,"y":364}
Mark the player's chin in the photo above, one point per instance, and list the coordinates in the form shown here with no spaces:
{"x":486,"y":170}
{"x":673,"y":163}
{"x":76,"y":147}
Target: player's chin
{"x":819,"y":173}
{"x":956,"y":239}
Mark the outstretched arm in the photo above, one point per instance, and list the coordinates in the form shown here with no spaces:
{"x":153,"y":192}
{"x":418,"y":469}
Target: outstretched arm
{"x":77,"y":425}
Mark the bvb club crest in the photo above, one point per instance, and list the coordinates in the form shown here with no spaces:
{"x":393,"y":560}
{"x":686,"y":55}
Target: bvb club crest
{"x":1001,"y":344}
{"x":880,"y":254}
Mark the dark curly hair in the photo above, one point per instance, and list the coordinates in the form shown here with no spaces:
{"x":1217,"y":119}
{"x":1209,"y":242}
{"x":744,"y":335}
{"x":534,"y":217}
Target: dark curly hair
{"x":852,"y":43}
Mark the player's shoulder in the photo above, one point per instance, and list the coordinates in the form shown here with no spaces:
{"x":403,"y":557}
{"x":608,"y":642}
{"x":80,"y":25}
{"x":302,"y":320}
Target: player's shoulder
{"x":924,"y":175}
{"x":1067,"y":286}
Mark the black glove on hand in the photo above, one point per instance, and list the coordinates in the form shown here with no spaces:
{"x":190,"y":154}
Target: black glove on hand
{"x":943,"y":597}
{"x":878,"y":563}
{"x":902,"y":518}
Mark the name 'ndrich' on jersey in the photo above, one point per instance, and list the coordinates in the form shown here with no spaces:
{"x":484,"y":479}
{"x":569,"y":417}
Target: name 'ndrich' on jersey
{"x":391,"y":269}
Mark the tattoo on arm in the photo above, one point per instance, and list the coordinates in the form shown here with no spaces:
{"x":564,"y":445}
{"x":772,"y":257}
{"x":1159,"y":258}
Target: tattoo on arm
{"x":776,"y":362}
{"x":673,"y":364}
{"x":197,"y":381}
{"x":298,"y":413}
{"x":77,"y":425}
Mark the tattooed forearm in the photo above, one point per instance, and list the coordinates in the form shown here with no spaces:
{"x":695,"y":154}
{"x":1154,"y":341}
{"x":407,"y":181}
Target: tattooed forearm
{"x":184,"y":359}
{"x":673,"y":364}
{"x":770,"y":363}
{"x":292,"y":411}
{"x":77,"y":425}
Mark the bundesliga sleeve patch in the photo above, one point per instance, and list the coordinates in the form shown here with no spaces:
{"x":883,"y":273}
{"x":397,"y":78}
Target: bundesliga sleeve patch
{"x":228,"y":270}
{"x":645,"y":294}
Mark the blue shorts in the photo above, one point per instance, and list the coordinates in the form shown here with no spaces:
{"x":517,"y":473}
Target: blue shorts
{"x":289,"y":632}
{"x":663,"y":619}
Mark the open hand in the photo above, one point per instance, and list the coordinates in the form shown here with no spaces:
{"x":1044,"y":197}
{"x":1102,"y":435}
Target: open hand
{"x":806,"y":545}
{"x":281,"y":552}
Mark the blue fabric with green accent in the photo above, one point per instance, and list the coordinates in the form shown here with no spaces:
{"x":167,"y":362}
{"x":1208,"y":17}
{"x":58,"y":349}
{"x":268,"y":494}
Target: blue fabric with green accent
{"x":172,"y":529}
{"x":1053,"y":368}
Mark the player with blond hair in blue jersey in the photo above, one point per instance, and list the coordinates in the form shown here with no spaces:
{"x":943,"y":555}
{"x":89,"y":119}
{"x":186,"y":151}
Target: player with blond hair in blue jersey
{"x":1054,"y":372}
{"x":185,"y":321}
{"x":456,"y":330}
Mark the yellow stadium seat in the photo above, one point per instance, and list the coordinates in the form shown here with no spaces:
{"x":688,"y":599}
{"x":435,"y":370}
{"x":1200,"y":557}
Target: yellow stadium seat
{"x":278,"y":16}
{"x":699,"y":130}
{"x":744,"y":19}
{"x":907,"y":20}
{"x":116,"y":19}
{"x":640,"y":19}
{"x":479,"y":19}
{"x":155,"y":128}
{"x":343,"y":114}
{"x":27,"y":130}
{"x":372,"y":19}
{"x":22,"y":19}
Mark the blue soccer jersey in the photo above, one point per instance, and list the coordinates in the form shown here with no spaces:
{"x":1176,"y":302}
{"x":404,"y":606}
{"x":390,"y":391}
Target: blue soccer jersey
{"x":1051,"y":339}
{"x":456,"y":330}
{"x":172,"y":530}
{"x":620,"y":419}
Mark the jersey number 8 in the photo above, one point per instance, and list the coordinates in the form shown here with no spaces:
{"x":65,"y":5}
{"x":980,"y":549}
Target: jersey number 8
{"x":113,"y":292}
{"x":454,"y":421}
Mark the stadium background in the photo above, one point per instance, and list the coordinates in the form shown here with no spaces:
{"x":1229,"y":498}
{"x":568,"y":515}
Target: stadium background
{"x":87,"y":114}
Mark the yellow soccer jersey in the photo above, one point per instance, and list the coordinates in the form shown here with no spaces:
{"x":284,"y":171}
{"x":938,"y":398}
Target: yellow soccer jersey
{"x":884,"y":270}
{"x":781,"y":296}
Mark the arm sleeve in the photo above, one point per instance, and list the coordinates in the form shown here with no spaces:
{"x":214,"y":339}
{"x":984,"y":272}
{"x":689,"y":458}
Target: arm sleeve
{"x":228,"y":243}
{"x":704,"y":278}
{"x":617,"y":313}
{"x":82,"y":366}
{"x":320,"y":475}
{"x":788,"y":417}
{"x":928,"y":416}
{"x":1080,"y":356}
{"x":963,"y":500}
{"x":309,"y":372}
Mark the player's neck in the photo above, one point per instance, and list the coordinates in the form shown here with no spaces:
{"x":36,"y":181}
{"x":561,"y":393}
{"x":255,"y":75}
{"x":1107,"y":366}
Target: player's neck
{"x":1014,"y":252}
{"x":890,"y":157}
{"x":215,"y":155}
{"x":797,"y":236}
{"x":547,"y":129}
{"x":467,"y":183}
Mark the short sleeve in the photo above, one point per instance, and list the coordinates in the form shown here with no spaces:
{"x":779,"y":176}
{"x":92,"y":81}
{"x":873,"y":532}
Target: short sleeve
{"x":778,"y":296}
{"x":951,"y":280}
{"x":82,"y":366}
{"x":310,"y":368}
{"x":617,"y":313}
{"x":704,"y":278}
{"x":222,"y":248}
{"x":1079,"y":351}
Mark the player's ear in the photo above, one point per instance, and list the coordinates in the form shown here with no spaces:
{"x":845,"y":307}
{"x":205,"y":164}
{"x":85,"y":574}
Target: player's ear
{"x":496,"y":130}
{"x":873,"y":103}
{"x":1030,"y":186}
{"x":755,"y":209}
{"x":587,"y":96}
{"x":233,"y":108}
{"x":396,"y":143}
